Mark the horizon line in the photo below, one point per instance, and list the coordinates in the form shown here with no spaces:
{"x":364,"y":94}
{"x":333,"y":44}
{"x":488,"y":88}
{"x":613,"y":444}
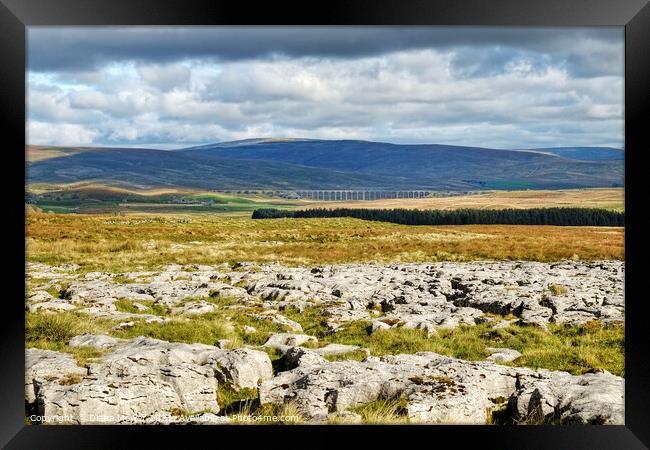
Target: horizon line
{"x":152,"y":146}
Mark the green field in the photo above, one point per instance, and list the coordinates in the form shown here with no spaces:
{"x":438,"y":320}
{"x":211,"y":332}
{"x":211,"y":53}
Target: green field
{"x":98,"y":198}
{"x":102,"y":199}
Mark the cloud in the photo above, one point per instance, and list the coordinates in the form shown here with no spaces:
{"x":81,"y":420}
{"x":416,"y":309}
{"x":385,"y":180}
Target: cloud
{"x":504,"y":88}
{"x":84,"y":48}
{"x":63,"y":134}
{"x":167,"y":77}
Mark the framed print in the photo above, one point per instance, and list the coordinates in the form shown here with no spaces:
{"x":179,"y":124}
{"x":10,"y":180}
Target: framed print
{"x":354,"y":218}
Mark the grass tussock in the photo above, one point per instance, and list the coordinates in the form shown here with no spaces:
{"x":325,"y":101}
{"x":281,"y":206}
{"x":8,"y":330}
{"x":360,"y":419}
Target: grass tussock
{"x":557,"y":289}
{"x":355,"y":355}
{"x":151,"y":307}
{"x":121,"y":279}
{"x":53,"y":331}
{"x":69,"y":379}
{"x":232,"y":401}
{"x":383,"y":412}
{"x":251,"y":413}
{"x":204,"y":330}
{"x":57,"y":327}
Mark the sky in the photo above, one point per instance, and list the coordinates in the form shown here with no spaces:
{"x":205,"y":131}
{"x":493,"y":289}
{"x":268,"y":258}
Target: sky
{"x":172,"y":87}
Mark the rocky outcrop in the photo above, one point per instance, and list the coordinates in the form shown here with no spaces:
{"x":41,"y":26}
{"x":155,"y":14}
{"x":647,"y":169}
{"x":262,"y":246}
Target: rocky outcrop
{"x":147,"y":381}
{"x":422,"y":296}
{"x":141,"y":381}
{"x":592,"y":398}
{"x":439,"y":389}
{"x":144,"y":380}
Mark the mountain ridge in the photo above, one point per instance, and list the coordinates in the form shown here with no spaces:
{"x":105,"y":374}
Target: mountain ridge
{"x":300,"y":163}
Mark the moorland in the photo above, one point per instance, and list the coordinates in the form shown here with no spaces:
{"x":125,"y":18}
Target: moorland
{"x":165,"y":302}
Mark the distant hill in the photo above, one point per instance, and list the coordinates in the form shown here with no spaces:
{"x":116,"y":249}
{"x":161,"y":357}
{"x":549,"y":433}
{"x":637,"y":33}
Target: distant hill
{"x":323,"y":164}
{"x":585,"y":153}
{"x":155,"y":168}
{"x":35,"y":153}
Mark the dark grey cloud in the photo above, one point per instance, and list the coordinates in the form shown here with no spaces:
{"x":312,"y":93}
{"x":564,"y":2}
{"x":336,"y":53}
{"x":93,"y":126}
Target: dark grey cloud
{"x":489,"y":61}
{"x":88,"y":48}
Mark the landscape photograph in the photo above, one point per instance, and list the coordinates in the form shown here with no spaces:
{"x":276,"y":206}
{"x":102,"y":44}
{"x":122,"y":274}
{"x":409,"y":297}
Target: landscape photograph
{"x":324,"y":225}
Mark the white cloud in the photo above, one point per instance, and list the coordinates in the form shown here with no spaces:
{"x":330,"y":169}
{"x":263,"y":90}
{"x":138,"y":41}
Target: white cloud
{"x":165,"y":77}
{"x":403,"y":96}
{"x":61,"y":134}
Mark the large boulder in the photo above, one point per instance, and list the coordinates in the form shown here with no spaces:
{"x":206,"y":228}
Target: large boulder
{"x":145,"y":381}
{"x":242,"y":368}
{"x":593,"y":398}
{"x":141,"y":381}
{"x":299,"y":356}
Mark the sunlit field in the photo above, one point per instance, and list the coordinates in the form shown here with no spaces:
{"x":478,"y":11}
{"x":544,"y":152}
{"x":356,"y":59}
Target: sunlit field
{"x":606,"y":198}
{"x":120,"y":243}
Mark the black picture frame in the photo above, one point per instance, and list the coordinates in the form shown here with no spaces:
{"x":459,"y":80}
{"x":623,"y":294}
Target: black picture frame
{"x":634,"y":15}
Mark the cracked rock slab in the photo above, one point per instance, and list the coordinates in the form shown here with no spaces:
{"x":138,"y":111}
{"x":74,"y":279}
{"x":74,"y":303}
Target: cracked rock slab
{"x":592,"y":398}
{"x":43,"y":366}
{"x":439,"y":389}
{"x":141,"y":381}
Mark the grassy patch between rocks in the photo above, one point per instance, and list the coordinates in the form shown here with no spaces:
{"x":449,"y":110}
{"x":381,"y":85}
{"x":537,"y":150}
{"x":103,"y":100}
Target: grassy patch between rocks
{"x":203,"y":330}
{"x":126,"y":305}
{"x":354,"y":355}
{"x":58,"y":290}
{"x":121,"y":279}
{"x":383,"y":412}
{"x":207,"y":328}
{"x":69,"y":379}
{"x":558,"y":289}
{"x":269,"y":414}
{"x":54,"y":331}
{"x":311,"y":319}
{"x":231,"y":401}
{"x":575,"y":349}
{"x":59,"y":328}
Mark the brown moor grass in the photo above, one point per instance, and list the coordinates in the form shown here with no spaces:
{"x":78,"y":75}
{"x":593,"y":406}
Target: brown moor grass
{"x":133,"y":242}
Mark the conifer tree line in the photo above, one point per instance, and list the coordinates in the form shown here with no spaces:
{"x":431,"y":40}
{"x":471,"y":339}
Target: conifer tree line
{"x":533,"y":216}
